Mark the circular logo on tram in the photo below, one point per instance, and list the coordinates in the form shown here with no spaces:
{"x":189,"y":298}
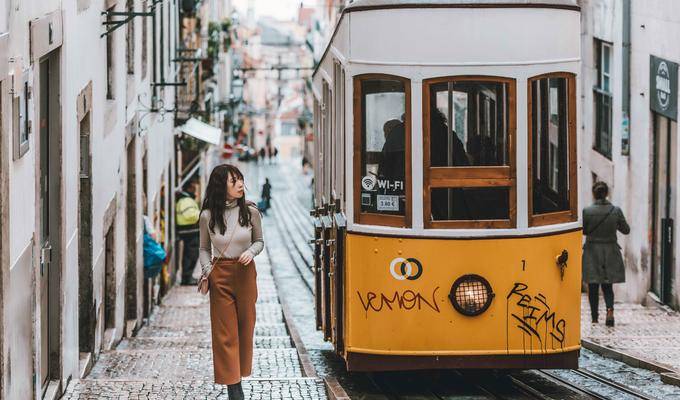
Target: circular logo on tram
{"x":663,"y":85}
{"x":368,"y":182}
{"x":406,"y":268}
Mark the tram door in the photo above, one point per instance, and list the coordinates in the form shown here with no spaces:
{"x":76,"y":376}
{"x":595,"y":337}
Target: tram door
{"x":336,"y":245}
{"x":665,"y":166}
{"x":328,"y":211}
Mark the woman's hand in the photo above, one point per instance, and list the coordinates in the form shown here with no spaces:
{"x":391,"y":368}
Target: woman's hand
{"x":246,"y":258}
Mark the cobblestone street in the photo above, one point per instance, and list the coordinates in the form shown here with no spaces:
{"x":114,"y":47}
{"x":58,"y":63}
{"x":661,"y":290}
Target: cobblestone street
{"x":171,"y":357}
{"x":647,"y":334}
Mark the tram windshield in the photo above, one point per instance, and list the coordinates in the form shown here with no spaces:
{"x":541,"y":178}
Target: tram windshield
{"x":469,"y":128}
{"x":477,"y":134}
{"x":383,"y":156}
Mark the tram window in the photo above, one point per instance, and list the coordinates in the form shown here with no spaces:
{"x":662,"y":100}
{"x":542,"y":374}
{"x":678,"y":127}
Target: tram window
{"x":382,"y":131}
{"x":552,"y":147}
{"x":469,"y":169}
{"x":468,"y":124}
{"x":470,"y":204}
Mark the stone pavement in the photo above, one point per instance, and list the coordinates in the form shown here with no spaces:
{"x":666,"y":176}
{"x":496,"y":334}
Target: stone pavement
{"x":649,"y":334}
{"x":171,"y":356}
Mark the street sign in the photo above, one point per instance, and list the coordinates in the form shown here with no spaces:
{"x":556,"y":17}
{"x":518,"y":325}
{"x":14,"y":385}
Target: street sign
{"x":663,"y":86}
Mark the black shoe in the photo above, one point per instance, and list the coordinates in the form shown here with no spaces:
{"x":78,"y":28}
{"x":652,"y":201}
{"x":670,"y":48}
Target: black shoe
{"x":189,"y":282}
{"x":610,"y":317}
{"x":595,"y":318}
{"x":235,"y":392}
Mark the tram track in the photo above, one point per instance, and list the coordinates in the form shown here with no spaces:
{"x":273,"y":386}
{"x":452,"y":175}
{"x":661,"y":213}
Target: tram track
{"x":595,"y":377}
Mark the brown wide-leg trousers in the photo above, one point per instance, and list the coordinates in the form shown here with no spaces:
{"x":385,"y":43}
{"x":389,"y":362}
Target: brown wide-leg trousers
{"x":233,"y":293}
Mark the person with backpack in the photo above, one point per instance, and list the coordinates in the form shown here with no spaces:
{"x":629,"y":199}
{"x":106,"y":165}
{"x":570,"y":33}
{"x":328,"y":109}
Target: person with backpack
{"x":187,"y":214}
{"x":602,"y":262}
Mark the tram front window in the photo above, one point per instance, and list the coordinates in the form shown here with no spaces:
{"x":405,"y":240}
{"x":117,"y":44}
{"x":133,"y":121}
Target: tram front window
{"x":383,"y":146}
{"x":469,"y":123}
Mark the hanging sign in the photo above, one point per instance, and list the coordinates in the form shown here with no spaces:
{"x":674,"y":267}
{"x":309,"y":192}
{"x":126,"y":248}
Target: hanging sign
{"x":663,"y":86}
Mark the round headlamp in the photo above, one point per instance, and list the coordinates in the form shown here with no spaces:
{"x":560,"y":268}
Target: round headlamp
{"x":471,"y":295}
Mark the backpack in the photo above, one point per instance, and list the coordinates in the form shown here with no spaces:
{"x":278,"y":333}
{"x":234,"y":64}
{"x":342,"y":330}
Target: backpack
{"x":187,"y":211}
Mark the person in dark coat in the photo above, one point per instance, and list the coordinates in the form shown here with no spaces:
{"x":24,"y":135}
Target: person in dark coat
{"x":602,"y":261}
{"x":392,"y":165}
{"x":266,"y":195}
{"x":439,"y":157}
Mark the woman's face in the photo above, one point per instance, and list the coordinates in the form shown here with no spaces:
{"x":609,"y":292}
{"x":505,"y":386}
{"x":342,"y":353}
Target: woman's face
{"x":235,"y":187}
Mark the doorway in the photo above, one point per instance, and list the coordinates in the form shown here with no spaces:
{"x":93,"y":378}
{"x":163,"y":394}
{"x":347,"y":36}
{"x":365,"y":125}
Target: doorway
{"x":49,"y":203}
{"x":86,"y":307}
{"x":131,"y":234}
{"x":109,"y":285}
{"x":145,"y":211}
{"x":664,"y":199}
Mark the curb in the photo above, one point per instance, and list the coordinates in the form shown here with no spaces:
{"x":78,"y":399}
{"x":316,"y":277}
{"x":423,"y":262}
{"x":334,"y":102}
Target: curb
{"x":668,"y":375}
{"x":334,"y":389}
{"x":306,"y":362}
{"x":670,"y":378}
{"x":307,"y":366}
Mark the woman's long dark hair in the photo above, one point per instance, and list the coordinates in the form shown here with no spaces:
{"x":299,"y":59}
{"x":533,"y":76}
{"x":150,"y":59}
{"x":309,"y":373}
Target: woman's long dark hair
{"x":216,"y":198}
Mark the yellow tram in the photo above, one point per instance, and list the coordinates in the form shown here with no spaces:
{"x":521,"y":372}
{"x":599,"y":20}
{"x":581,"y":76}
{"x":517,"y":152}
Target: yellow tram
{"x":447,"y":225}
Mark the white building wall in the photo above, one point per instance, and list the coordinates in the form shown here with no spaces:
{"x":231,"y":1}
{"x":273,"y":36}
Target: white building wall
{"x":83,"y":60}
{"x":655,"y":26}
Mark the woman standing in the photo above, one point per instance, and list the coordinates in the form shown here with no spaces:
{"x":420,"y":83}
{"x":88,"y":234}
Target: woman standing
{"x":230,"y":237}
{"x":602,"y":261}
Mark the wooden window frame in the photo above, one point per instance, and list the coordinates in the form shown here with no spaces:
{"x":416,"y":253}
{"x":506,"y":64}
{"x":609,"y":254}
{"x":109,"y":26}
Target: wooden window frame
{"x":459,"y":177}
{"x":603,"y":143}
{"x":366,"y":218}
{"x":570,"y":215}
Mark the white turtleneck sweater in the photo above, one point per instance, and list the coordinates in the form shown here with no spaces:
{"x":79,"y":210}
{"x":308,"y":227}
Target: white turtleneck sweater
{"x":244,"y":238}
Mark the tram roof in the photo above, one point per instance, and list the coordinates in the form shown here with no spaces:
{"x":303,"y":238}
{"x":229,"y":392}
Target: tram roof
{"x":358,"y":5}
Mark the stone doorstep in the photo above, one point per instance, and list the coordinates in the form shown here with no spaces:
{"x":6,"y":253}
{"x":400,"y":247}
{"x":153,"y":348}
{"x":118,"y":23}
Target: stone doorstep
{"x":52,"y":391}
{"x":85,"y":363}
{"x":668,"y":375}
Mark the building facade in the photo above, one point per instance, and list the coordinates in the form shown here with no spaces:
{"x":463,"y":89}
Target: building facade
{"x":629,"y":133}
{"x":88,"y":153}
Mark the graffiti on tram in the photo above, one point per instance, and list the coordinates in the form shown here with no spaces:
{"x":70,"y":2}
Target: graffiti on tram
{"x":534,"y":319}
{"x":406,"y":300}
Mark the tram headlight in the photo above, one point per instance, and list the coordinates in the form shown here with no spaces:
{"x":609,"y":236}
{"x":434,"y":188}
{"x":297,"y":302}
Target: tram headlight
{"x":471,"y":295}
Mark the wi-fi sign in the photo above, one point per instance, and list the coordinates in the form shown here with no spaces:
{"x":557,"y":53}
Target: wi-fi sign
{"x":368,"y":182}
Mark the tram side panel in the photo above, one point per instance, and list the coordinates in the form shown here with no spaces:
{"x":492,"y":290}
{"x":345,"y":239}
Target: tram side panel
{"x":397,"y":297}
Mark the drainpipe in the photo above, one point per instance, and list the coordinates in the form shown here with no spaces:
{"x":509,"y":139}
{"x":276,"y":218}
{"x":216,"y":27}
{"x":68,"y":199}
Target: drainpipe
{"x":625,"y":131}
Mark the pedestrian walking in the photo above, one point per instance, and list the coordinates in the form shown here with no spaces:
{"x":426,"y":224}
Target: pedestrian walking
{"x":602,"y":261}
{"x":262,"y":155}
{"x":230,"y":237}
{"x":187,"y":216}
{"x":266,"y":195}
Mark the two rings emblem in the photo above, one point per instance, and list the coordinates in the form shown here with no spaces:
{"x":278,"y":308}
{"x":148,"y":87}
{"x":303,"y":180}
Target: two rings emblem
{"x":406,"y":268}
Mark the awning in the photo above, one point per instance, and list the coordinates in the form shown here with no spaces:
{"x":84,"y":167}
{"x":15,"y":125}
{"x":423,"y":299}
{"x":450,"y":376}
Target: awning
{"x":202,"y":131}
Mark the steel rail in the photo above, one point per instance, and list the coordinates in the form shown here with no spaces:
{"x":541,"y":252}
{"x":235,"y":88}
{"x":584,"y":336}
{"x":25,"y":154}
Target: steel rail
{"x":622,"y":388}
{"x":281,"y":227}
{"x":591,"y":375}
